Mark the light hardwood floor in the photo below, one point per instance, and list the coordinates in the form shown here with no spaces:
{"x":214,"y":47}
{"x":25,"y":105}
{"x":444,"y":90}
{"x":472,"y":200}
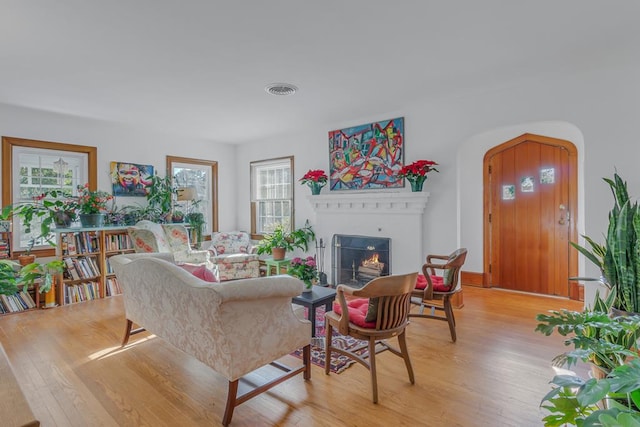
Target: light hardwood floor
{"x":74,"y":373}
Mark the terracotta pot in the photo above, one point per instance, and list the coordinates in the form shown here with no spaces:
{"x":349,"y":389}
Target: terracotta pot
{"x":26,"y":259}
{"x":278,"y":253}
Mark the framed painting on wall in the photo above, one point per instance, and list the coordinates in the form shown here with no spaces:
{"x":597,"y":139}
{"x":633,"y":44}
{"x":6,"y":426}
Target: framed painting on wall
{"x":367,"y":156}
{"x":130,"y":179}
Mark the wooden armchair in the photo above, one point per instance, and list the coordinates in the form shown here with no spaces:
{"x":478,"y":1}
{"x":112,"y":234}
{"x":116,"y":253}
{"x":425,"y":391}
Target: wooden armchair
{"x":435,"y":290}
{"x":379,"y":312}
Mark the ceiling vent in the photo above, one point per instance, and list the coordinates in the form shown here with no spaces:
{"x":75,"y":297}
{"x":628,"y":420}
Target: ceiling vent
{"x":281,"y":89}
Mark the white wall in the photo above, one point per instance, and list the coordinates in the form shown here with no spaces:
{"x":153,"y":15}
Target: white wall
{"x":597,"y":110}
{"x":123,"y":143}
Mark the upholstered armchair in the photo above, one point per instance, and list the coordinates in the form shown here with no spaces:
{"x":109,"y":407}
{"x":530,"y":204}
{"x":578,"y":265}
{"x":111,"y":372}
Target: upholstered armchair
{"x":148,"y":237}
{"x":234,"y":255}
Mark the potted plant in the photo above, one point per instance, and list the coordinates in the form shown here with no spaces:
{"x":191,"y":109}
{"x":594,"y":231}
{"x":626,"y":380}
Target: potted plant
{"x":315,"y":179}
{"x":13,"y":276}
{"x":53,"y":207}
{"x":280,"y":241}
{"x":618,"y":259}
{"x":304,"y":269}
{"x":609,"y":345}
{"x":416,"y":173}
{"x":178,"y":216}
{"x":92,"y":206}
{"x":160,"y":198}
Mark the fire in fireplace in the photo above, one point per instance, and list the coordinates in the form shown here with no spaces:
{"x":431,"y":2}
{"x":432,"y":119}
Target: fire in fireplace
{"x":358,"y":259}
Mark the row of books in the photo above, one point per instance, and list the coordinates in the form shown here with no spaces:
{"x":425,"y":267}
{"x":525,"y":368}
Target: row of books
{"x":81,"y":292}
{"x":112,"y":287}
{"x":19,"y":301}
{"x":5,"y":251}
{"x":79,"y":242}
{"x":81,"y":268}
{"x":117,"y":242}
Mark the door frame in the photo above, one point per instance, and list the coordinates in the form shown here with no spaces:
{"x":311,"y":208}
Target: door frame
{"x":574,"y":287}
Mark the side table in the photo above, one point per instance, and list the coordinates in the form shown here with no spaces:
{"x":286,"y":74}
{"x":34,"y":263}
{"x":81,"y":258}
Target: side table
{"x":278,"y":265}
{"x":318,"y":296}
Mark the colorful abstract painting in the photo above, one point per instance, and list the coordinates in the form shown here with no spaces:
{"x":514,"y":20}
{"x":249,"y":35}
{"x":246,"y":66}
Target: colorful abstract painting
{"x":367,"y":156}
{"x":130,"y":179}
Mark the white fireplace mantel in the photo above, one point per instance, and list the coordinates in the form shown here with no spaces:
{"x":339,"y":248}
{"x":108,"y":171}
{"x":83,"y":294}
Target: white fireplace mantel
{"x":393,"y":214}
{"x":393,"y":203}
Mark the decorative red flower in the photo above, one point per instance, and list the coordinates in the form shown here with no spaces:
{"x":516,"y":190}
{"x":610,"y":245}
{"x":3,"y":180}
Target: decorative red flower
{"x":316,"y":175}
{"x":417,"y":169}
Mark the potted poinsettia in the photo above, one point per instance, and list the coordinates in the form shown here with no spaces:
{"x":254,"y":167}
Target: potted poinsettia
{"x":315,"y":179}
{"x":416,"y":173}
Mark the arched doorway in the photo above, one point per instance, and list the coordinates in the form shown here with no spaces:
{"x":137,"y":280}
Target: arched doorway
{"x":530,"y":199}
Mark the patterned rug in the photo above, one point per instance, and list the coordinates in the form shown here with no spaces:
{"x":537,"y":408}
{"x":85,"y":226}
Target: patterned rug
{"x":338,"y":362}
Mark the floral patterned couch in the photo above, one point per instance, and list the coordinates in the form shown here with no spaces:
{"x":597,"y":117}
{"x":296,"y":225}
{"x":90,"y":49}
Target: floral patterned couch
{"x":234,"y":327}
{"x":234,"y":255}
{"x":148,"y":237}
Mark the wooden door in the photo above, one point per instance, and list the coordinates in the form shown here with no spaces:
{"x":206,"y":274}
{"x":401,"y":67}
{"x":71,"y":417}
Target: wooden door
{"x":530,"y":200}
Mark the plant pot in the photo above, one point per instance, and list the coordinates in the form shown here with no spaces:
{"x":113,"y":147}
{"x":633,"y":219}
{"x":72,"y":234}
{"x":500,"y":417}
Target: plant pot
{"x":315,"y":187}
{"x":92,"y":220}
{"x":278,"y":253}
{"x":62,"y":219}
{"x":26,"y":259}
{"x":417,"y":183}
{"x":308,"y":286}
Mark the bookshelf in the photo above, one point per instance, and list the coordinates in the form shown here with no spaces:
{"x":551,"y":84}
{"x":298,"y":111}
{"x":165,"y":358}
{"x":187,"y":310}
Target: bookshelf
{"x":85,"y":252}
{"x":5,"y":239}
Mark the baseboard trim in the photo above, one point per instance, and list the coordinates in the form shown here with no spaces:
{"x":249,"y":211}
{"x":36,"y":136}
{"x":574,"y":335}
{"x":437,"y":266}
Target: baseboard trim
{"x":472,"y":279}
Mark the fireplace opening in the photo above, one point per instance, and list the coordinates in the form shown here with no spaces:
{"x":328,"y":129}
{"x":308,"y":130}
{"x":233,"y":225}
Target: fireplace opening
{"x":358,"y":259}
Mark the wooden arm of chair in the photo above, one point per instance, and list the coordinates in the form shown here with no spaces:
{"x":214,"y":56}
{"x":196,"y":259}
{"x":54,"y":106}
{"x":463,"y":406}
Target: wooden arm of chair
{"x":430,"y":257}
{"x":428,"y":291}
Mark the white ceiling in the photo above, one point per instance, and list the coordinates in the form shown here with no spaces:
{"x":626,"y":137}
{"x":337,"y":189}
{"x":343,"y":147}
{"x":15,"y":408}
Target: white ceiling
{"x":199,"y":67}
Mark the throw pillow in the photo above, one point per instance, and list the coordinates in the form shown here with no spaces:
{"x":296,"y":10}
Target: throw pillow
{"x":372,"y":311}
{"x":201,"y":272}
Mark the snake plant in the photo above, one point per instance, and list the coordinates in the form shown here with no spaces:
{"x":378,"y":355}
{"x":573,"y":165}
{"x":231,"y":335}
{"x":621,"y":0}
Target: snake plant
{"x":619,"y":257}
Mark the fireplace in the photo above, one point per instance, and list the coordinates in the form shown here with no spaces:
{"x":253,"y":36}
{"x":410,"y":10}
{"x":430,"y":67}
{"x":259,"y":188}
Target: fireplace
{"x":356,"y":260}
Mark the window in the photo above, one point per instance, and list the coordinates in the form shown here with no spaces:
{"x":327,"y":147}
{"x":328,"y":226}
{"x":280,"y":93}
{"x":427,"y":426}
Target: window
{"x":271,"y":195}
{"x":202,"y":177}
{"x":32,"y":167}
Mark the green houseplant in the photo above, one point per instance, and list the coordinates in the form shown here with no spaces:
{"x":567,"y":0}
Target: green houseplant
{"x":610,"y":345}
{"x":13,"y":276}
{"x":619,"y":257}
{"x":280,"y":241}
{"x":160,"y":197}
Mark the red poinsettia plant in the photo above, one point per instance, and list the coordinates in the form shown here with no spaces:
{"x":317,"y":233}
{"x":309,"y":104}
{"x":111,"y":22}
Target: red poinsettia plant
{"x":316,"y":175}
{"x":417,"y":169}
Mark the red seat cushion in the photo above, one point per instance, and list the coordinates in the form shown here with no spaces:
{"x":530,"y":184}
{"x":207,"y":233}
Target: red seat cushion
{"x":438,"y":283}
{"x":357,"y":312}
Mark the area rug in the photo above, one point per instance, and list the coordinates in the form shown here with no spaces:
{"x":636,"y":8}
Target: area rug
{"x":338,"y":362}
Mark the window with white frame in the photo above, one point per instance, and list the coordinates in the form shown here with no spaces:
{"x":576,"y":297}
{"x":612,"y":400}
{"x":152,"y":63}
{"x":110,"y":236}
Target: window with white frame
{"x":271,"y":194}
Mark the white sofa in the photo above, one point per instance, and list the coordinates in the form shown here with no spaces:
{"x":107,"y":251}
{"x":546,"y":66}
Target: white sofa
{"x":234,"y":327}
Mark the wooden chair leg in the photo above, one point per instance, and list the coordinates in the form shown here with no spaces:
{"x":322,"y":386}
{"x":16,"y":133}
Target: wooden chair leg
{"x":127,"y":332}
{"x":448,"y":310}
{"x":306,"y":359}
{"x":372,"y":368}
{"x":402,"y":341}
{"x":231,"y":402}
{"x":328,"y":330}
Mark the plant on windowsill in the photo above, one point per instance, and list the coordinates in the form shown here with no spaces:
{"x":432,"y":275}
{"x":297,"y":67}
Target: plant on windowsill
{"x":278,"y":242}
{"x":92,"y":206}
{"x":53,"y":207}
